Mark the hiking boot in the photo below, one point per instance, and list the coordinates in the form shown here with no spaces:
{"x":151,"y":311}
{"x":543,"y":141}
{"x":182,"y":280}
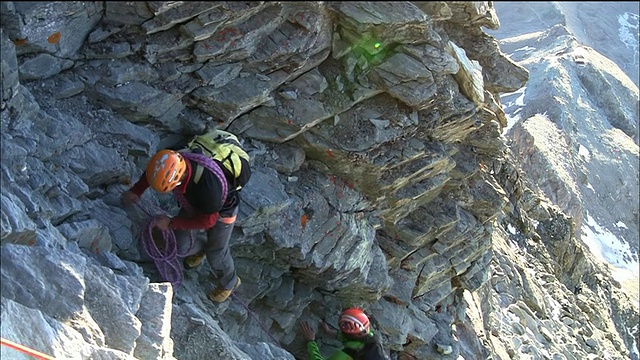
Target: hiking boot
{"x":219,"y":294}
{"x":194,"y":260}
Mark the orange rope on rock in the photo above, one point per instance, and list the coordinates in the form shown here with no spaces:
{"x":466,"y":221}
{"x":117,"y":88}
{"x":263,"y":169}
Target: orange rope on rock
{"x":26,"y":350}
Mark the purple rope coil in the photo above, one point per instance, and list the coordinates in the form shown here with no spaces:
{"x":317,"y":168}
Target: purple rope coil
{"x":167,"y":261}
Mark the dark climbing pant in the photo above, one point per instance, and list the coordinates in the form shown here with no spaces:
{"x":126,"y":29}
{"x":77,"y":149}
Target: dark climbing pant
{"x":216,"y":247}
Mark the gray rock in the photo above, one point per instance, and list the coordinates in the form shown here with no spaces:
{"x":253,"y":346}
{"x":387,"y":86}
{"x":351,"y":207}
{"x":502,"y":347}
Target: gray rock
{"x":43,"y":66}
{"x":219,"y":75}
{"x":46,"y":334}
{"x":132,"y":14}
{"x":191,"y":341}
{"x":169,"y":45}
{"x":56,"y":30}
{"x":470,"y":74}
{"x":140,"y":102}
{"x":406,"y":79}
{"x":10,"y":73}
{"x":166,"y":16}
{"x":155,"y":315}
{"x":398,"y":324}
{"x":263,"y":196}
{"x":58,"y":272}
{"x":232,"y":38}
{"x":17,"y":227}
{"x":89,"y":234}
{"x":93,"y":163}
{"x":591,"y":343}
{"x":436,"y":60}
{"x":69,"y":89}
{"x":289,"y":159}
{"x":289,"y":95}
{"x":233,"y":99}
{"x":444,"y":349}
{"x":265,"y":351}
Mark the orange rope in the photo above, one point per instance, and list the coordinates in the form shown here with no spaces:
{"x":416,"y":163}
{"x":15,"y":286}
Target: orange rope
{"x":26,"y":350}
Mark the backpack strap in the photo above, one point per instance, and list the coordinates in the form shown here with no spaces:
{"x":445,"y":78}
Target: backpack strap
{"x":233,"y":169}
{"x":198,"y":173}
{"x":199,"y":170}
{"x":212,"y":166}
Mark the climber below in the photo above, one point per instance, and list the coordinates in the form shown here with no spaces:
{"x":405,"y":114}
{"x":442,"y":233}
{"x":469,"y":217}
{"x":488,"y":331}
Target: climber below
{"x":355,"y":333}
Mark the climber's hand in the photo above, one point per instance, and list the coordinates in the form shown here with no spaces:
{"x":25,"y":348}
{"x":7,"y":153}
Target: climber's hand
{"x":162,"y":222}
{"x":307,"y":332}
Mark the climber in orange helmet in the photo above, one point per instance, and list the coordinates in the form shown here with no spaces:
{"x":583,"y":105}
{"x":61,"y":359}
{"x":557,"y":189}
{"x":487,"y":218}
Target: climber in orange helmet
{"x":207,"y":202}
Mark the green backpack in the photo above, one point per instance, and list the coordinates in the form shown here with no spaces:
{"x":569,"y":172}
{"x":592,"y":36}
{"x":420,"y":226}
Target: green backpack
{"x":224,"y":147}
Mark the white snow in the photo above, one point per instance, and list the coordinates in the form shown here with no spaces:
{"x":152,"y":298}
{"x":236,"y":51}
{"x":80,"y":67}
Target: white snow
{"x":608,"y":248}
{"x":620,"y":224}
{"x":584,"y":152}
{"x":512,"y":229}
{"x":511,"y":120}
{"x":512,"y":114}
{"x":520,"y":99}
{"x":525,"y":48}
{"x":544,"y":352}
{"x":634,"y":347}
{"x":628,"y":32}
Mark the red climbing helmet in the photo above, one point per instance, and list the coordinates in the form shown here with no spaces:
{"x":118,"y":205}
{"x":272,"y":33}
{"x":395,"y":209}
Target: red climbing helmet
{"x":165,"y":170}
{"x":353,"y":321}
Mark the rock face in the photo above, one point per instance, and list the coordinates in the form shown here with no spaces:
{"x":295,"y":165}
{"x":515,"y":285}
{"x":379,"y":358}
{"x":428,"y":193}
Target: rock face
{"x":381,"y":179}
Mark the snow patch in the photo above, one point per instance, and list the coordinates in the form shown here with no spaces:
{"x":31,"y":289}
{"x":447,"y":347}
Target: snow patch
{"x":512,"y":229}
{"x":584,"y":152}
{"x":511,"y":120}
{"x":520,"y":99}
{"x":628,"y":32}
{"x":620,"y":224}
{"x":507,"y":106}
{"x":525,"y":48}
{"x":544,"y":352}
{"x":608,"y":248}
{"x":590,"y":187}
{"x":634,"y":347}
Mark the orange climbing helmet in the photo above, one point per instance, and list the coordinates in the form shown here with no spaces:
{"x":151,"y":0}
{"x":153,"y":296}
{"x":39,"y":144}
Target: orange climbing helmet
{"x":354,"y":322}
{"x":165,"y":170}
